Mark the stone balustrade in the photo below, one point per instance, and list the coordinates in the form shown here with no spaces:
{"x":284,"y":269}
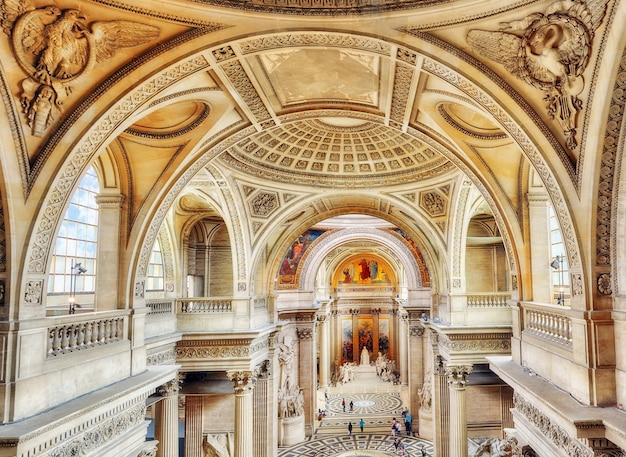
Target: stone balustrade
{"x":204,"y":305}
{"x":550,"y":324}
{"x":89,"y":333}
{"x":160,"y":307}
{"x":488,"y":300}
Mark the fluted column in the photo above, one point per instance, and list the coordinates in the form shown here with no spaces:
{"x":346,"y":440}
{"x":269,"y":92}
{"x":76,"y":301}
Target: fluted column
{"x":166,"y":419}
{"x":457,"y":378}
{"x":243,"y":382}
{"x":441,"y":407}
{"x":307,"y":374}
{"x":193,"y":426}
{"x":404,"y":353}
{"x":324,"y":350}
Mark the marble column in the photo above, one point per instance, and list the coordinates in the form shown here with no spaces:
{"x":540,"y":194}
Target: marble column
{"x":243,"y":382}
{"x":109,"y":213}
{"x":307,"y":371}
{"x":166,"y":419}
{"x":417,"y":361}
{"x":403,"y":346}
{"x":266,"y":411}
{"x":356,"y":351}
{"x":457,"y":378}
{"x":322,"y":320}
{"x":441,"y":408}
{"x":193,"y":426}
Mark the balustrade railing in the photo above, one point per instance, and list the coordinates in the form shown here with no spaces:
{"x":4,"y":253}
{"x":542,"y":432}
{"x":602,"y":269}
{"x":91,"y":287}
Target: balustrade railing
{"x":158,"y":308}
{"x":76,"y":336}
{"x":488,"y":300}
{"x":549,"y":325}
{"x":204,"y":305}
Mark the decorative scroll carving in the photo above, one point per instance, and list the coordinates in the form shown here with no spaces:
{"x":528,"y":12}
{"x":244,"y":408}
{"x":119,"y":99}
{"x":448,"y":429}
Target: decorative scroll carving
{"x":140,"y":288}
{"x":457,"y":375}
{"x":549,"y":429}
{"x":263,"y":204}
{"x":549,"y":51}
{"x":166,"y":357}
{"x":57,"y":48}
{"x":211,"y":349}
{"x":433,"y":203}
{"x":243,"y":381}
{"x":170,"y":388}
{"x":417,"y":330}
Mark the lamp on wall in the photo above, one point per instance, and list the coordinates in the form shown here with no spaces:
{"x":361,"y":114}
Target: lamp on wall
{"x":76,"y":270}
{"x":557,"y":264}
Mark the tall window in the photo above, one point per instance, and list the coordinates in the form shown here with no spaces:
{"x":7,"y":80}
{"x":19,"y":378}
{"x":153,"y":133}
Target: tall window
{"x":560,"y":268}
{"x":154,"y":279}
{"x":77,"y":242}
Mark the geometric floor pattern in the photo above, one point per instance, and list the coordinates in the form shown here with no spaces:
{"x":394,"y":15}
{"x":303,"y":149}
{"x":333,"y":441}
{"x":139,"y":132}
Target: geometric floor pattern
{"x":367,"y":403}
{"x":357,"y":444}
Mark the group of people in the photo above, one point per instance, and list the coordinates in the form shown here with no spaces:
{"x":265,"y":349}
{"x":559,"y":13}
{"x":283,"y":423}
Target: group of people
{"x":361,"y":426}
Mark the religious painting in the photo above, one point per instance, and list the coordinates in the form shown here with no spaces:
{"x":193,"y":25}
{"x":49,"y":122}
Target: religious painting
{"x":383,"y":336}
{"x":295,"y":253}
{"x":366,"y":334}
{"x":347,"y":350}
{"x":365,"y":270}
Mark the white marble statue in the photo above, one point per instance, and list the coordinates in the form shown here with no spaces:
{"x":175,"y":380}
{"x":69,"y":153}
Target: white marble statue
{"x":365,"y":356}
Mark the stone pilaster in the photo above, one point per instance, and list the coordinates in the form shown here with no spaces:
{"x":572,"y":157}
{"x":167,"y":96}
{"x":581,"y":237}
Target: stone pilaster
{"x":457,"y":378}
{"x":265,"y":412}
{"x":193,"y":426}
{"x":109,"y":214}
{"x":416,"y":365}
{"x":403,"y":346}
{"x":166,"y":419}
{"x":324,"y":350}
{"x":539,"y":223}
{"x":441,"y":409}
{"x":307,"y":372}
{"x":243,"y":383}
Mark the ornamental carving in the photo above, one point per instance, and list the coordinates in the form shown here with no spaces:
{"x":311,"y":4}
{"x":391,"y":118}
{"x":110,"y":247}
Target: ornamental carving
{"x":476,"y":343}
{"x":264,"y":203}
{"x":433,"y":203}
{"x":457,"y":375}
{"x":549,"y":51}
{"x":212,"y":352}
{"x":304,"y":333}
{"x":167,"y":357}
{"x":33,"y":292}
{"x":58,"y":49}
{"x":550,"y":430}
{"x":604,"y":284}
{"x":417,"y":330}
{"x":170,"y":388}
{"x":243,"y":381}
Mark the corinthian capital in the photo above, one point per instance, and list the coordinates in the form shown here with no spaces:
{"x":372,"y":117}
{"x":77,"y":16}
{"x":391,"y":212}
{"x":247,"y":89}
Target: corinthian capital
{"x":243,"y":381}
{"x":457,"y":375}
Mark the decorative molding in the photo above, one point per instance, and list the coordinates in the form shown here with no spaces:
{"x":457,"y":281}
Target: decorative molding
{"x":604,"y":284}
{"x":457,"y":375}
{"x":417,"y":330}
{"x":553,"y":432}
{"x":32,"y":294}
{"x":161,"y":357}
{"x":470,"y":342}
{"x":304,"y":333}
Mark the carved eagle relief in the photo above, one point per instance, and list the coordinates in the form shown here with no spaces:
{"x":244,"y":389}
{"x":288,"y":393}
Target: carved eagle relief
{"x":550,"y":51}
{"x":56,"y":48}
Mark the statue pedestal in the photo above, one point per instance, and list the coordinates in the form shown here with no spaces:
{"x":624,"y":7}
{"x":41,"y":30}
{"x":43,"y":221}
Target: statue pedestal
{"x":426,"y":425}
{"x":292,"y":430}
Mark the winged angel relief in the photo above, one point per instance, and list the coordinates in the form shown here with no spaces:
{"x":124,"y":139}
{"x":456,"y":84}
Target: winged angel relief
{"x":550,"y":51}
{"x":57,"y":48}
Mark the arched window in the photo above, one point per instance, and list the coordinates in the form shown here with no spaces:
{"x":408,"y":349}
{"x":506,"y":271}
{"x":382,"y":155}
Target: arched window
{"x":154,"y":279}
{"x":560,"y":275}
{"x":73,"y":266}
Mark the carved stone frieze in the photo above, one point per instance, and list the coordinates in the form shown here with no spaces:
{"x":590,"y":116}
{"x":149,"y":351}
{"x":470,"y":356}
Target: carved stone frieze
{"x":214,"y":349}
{"x":555,"y":433}
{"x":161,"y":357}
{"x":56,"y":48}
{"x":417,"y":330}
{"x":487,"y":342}
{"x":140,"y":287}
{"x":549,"y":50}
{"x":402,"y":86}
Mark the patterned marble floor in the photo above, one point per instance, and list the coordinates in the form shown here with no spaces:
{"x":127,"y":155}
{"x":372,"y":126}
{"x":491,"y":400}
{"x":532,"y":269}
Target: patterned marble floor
{"x":340,"y":445}
{"x":376,"y":409}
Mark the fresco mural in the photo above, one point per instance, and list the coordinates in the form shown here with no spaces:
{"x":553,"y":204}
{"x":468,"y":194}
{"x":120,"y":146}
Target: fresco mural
{"x":366,"y":334}
{"x":365,"y":270}
{"x":418,"y":256}
{"x":383,"y":336}
{"x":295,"y":253}
{"x":347,"y":353}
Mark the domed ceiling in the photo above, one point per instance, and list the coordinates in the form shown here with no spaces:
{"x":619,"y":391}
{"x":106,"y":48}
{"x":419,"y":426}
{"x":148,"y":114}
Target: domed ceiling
{"x":337,"y":152}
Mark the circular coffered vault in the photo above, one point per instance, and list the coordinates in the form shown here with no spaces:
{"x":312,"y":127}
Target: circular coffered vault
{"x":340,"y":152}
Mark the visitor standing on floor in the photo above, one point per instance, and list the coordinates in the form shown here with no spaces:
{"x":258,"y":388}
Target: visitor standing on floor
{"x":423,"y":451}
{"x":393,"y":427}
{"x":349,"y":428}
{"x":361,"y":424}
{"x":351,"y":406}
{"x":343,"y":404}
